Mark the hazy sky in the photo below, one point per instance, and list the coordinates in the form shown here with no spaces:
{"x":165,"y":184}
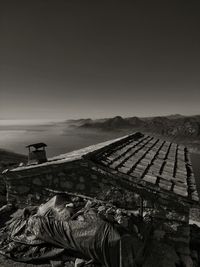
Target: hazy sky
{"x":72,"y":59}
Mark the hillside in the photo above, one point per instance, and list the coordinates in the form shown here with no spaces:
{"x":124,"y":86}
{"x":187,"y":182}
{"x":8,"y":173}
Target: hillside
{"x":183,"y":129}
{"x":8,"y":160}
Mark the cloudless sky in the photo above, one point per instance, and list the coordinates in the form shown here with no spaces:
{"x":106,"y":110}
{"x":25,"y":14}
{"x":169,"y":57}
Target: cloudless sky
{"x":74,"y":59}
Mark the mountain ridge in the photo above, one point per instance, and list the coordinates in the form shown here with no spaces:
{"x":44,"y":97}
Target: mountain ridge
{"x":168,"y":125}
{"x":178,"y":128}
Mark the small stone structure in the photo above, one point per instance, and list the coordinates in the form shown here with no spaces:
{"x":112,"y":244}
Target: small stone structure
{"x":38,"y":155}
{"x":157,"y":171}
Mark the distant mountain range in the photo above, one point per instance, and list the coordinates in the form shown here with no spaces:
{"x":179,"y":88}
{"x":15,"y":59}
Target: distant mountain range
{"x":184,"y":129}
{"x":173,"y":125}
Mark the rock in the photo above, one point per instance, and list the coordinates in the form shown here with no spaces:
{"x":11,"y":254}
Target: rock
{"x":6,"y":208}
{"x":37,"y":181}
{"x":69,"y":264}
{"x":79,"y":262}
{"x":81,"y":179}
{"x":66,"y":184}
{"x":80,"y":187}
{"x":93,"y":176}
{"x":159,"y":234}
{"x":23,"y":189}
{"x":101,"y":209}
{"x":160,"y":255}
{"x":186,"y":261}
{"x":184,"y":250}
{"x":56,"y":263}
{"x":194,"y":255}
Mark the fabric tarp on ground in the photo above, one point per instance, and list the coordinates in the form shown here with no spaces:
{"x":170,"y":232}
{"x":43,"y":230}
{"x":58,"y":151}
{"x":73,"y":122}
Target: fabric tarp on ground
{"x":89,"y":238}
{"x":92,"y":239}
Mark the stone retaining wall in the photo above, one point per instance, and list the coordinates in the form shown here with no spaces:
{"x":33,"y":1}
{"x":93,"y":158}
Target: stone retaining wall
{"x":32,"y":185}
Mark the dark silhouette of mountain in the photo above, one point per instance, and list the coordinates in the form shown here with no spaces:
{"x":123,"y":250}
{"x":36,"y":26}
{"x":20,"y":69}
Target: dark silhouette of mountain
{"x":79,"y":122}
{"x":108,"y":124}
{"x":173,"y":125}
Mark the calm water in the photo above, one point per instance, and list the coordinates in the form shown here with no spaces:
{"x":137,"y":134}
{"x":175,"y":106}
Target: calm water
{"x":59,"y":137}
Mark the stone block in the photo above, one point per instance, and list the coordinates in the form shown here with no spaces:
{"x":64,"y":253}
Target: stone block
{"x":49,"y":176}
{"x":94,"y":176}
{"x":66,"y":184}
{"x":150,"y":179}
{"x":81,"y":179}
{"x":22,"y":189}
{"x":164,"y":184}
{"x":80,"y":187}
{"x":180,"y":191}
{"x":37,"y":181}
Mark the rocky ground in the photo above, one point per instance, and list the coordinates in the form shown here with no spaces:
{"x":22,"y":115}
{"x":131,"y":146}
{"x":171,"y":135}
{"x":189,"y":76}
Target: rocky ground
{"x":157,"y":249}
{"x":157,"y":239}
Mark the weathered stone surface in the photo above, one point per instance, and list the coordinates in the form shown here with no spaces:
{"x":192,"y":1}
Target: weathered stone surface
{"x":37,"y":181}
{"x":49,"y":176}
{"x":150,"y":179}
{"x":186,"y":261}
{"x":185,"y":250}
{"x":164,"y":184}
{"x":56,"y":181}
{"x":160,"y":255}
{"x":159,"y":234}
{"x":180,"y":191}
{"x":94,"y":176}
{"x":140,"y":161}
{"x":66,"y":185}
{"x":80,"y":187}
{"x":23,"y":189}
{"x":81,"y":179}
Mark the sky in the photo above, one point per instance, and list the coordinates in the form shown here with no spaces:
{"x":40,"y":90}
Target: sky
{"x":67,"y":59}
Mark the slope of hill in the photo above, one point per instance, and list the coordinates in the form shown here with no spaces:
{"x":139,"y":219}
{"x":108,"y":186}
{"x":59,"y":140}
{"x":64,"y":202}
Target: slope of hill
{"x":183,"y":129}
{"x":176,"y":125}
{"x":8,"y":159}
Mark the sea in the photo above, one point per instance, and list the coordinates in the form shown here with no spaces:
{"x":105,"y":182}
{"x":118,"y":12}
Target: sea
{"x":59,"y":136}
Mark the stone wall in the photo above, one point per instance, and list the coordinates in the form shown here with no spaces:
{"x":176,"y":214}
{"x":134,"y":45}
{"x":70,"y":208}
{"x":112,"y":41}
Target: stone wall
{"x":32,"y":185}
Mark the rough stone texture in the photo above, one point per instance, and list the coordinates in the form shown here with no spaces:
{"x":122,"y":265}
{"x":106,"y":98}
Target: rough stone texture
{"x":155,"y":161}
{"x":157,"y":170}
{"x":161,"y":255}
{"x":89,"y":171}
{"x":34,"y":185}
{"x":2,"y":190}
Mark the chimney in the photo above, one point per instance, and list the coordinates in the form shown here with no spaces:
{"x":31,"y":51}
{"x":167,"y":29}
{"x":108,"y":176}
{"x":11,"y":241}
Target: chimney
{"x":37,"y":153}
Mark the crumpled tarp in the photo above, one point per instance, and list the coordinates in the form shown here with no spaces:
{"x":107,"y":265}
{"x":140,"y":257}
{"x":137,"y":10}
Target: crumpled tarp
{"x":56,"y":228}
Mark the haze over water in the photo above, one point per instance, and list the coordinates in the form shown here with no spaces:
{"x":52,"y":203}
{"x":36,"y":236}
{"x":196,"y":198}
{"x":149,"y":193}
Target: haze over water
{"x":15,"y":135}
